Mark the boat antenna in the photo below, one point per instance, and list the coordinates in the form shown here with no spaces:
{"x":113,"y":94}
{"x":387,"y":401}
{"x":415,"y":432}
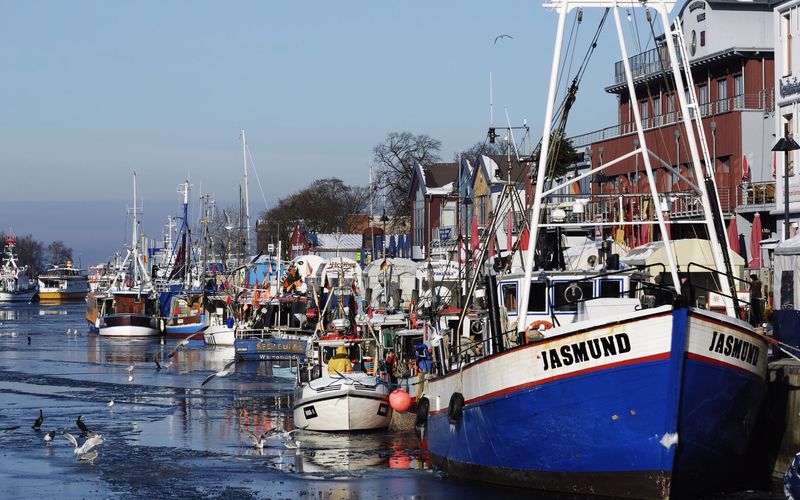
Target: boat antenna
{"x":246,"y":196}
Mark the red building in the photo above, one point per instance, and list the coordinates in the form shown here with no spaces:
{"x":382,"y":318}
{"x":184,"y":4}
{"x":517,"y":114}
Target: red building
{"x":433,"y":192}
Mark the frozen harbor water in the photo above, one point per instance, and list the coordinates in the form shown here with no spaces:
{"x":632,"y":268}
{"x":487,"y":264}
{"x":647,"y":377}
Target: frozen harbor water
{"x":164,"y":435}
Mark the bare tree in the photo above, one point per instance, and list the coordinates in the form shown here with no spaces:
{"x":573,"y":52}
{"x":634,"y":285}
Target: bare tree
{"x":481,"y":148}
{"x":58,"y":253}
{"x":30,"y":252}
{"x":396,"y":157}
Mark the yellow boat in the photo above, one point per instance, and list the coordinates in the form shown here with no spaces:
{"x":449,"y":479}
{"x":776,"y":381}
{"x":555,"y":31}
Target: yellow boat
{"x":63,"y":283}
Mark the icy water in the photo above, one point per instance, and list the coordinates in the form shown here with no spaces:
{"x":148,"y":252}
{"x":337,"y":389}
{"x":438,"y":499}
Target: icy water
{"x":166,"y":437}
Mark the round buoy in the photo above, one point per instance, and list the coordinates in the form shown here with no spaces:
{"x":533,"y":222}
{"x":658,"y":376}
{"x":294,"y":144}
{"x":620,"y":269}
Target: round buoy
{"x":400,"y":400}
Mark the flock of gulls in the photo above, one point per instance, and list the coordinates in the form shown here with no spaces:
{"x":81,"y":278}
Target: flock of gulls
{"x":88,"y":451}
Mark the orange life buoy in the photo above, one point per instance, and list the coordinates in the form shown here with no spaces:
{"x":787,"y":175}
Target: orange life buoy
{"x":537,"y":324}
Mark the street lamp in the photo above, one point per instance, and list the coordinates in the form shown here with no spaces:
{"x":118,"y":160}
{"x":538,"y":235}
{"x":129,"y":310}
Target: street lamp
{"x":786,"y":144}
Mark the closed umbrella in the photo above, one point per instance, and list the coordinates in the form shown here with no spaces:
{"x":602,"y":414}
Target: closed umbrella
{"x":755,"y":242}
{"x":742,"y":247}
{"x":733,"y":235}
{"x":392,"y":250}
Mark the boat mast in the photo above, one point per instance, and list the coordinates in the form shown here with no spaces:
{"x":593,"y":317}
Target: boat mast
{"x":246,"y":197}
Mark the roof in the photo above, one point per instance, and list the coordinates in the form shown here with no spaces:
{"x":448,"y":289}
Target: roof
{"x":736,"y":4}
{"x":338,"y":240}
{"x":440,"y":174}
{"x":501,"y":162}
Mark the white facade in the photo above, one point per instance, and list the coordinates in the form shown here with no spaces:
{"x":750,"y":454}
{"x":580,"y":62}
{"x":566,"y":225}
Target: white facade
{"x":787,"y":106}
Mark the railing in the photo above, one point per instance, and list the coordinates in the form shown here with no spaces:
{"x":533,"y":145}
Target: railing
{"x":759,"y":101}
{"x":757,"y":193}
{"x":645,"y":63}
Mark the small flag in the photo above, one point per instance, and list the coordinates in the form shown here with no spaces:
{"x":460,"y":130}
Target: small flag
{"x":745,"y":169}
{"x":384,"y":265}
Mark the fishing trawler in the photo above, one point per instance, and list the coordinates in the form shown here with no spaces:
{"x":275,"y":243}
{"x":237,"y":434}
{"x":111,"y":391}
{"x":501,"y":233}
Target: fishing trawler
{"x":63,"y":283}
{"x":15,"y":285}
{"x":130,"y":306}
{"x":638,"y":395}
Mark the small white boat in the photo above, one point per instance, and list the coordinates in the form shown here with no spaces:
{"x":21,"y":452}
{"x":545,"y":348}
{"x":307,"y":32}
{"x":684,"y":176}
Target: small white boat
{"x":15,"y":285}
{"x":334,"y":400}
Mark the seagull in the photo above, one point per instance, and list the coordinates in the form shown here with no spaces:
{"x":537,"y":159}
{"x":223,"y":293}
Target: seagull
{"x":110,"y":404}
{"x":183,"y":343}
{"x":290,"y":442}
{"x":87,"y":445}
{"x":49,"y":437}
{"x":257,"y":442}
{"x":14,"y":334}
{"x":498,"y":37}
{"x":37,"y":425}
{"x":229,"y":368}
{"x":89,"y":457}
{"x":130,"y":369}
{"x":29,"y":340}
{"x":84,"y":429}
{"x":130,"y":378}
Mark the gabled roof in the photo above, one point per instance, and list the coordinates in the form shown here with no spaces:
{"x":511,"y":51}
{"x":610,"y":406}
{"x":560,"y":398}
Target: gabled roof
{"x":490,"y":164}
{"x":438,"y":178}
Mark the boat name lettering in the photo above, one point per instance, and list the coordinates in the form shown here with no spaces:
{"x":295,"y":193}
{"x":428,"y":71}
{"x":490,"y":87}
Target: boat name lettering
{"x":734,"y":347}
{"x":580,"y":352}
{"x":268,"y":347}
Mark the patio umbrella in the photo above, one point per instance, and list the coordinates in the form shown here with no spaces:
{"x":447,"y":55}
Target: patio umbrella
{"x":755,"y":242}
{"x":392,"y":250}
{"x":742,"y":247}
{"x":733,"y":235}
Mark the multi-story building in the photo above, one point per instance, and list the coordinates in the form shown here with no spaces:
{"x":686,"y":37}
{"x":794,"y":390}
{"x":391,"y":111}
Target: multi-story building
{"x":786,"y":16}
{"x":730,"y":50}
{"x":434,"y":197}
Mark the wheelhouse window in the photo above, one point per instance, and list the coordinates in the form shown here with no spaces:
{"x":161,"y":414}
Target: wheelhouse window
{"x":610,"y":288}
{"x":537,"y":301}
{"x":566,"y":296}
{"x":508,"y":291}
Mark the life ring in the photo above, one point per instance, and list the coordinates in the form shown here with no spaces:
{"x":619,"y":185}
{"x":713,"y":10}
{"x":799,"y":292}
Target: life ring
{"x":423,"y":408}
{"x":537,"y":324}
{"x":455,"y":409}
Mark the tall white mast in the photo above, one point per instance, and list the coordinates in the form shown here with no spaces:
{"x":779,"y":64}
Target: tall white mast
{"x":246,"y":196}
{"x":134,"y":239}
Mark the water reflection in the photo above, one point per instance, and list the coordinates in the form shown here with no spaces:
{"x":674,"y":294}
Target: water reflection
{"x":121,"y":351}
{"x":8,"y":314}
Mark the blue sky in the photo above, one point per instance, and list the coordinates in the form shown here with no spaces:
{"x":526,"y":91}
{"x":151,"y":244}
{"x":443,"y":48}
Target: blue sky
{"x":92,"y":90}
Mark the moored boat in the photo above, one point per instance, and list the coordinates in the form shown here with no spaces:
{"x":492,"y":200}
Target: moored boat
{"x":15,"y":285}
{"x":341,"y":397}
{"x":63,"y":283}
{"x":615,"y":389}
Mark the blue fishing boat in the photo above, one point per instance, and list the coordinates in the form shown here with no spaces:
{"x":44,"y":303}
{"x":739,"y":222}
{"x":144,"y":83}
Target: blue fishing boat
{"x":639,"y":393}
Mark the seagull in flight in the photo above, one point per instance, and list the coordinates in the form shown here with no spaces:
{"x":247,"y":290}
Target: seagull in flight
{"x":257,"y":442}
{"x":37,"y":424}
{"x":87,"y":445}
{"x":288,"y":441}
{"x":89,"y":457}
{"x":229,"y":368}
{"x":498,"y":37}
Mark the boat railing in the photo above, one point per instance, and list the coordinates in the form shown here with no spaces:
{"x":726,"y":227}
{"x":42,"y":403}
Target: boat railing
{"x":737,"y":301}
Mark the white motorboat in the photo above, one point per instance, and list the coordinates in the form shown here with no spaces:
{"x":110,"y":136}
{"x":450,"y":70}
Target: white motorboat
{"x":328,"y":399}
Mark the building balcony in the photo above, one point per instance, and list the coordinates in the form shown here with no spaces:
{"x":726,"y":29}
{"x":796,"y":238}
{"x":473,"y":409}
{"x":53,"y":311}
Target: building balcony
{"x":756,"y":197}
{"x":763,"y":101}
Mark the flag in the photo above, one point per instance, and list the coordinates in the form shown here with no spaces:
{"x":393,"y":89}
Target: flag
{"x":523,"y":239}
{"x":476,"y":241}
{"x":576,"y":187}
{"x":327,"y":283}
{"x":774,"y":163}
{"x":384,"y":265}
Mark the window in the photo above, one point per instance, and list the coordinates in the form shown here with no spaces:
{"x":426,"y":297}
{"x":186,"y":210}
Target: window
{"x":657,"y":111}
{"x":703,"y":38}
{"x":704,"y":108}
{"x":645,"y":110}
{"x":448,"y":218}
{"x":610,"y":288}
{"x":482,"y":211}
{"x":537,"y":301}
{"x":419,"y":217}
{"x":670,"y":108}
{"x":738,"y":91}
{"x":508,"y":292}
{"x":725,"y":164}
{"x":788,"y":131}
{"x":566,"y":296}
{"x":722,"y":96}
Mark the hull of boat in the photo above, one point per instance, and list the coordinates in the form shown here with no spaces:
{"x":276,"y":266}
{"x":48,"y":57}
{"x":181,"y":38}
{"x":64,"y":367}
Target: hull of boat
{"x":17,"y":296}
{"x":56,"y":296}
{"x":342,"y":404}
{"x":183,"y":331}
{"x":219,"y":335}
{"x":129,"y":325}
{"x":600,"y":411}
